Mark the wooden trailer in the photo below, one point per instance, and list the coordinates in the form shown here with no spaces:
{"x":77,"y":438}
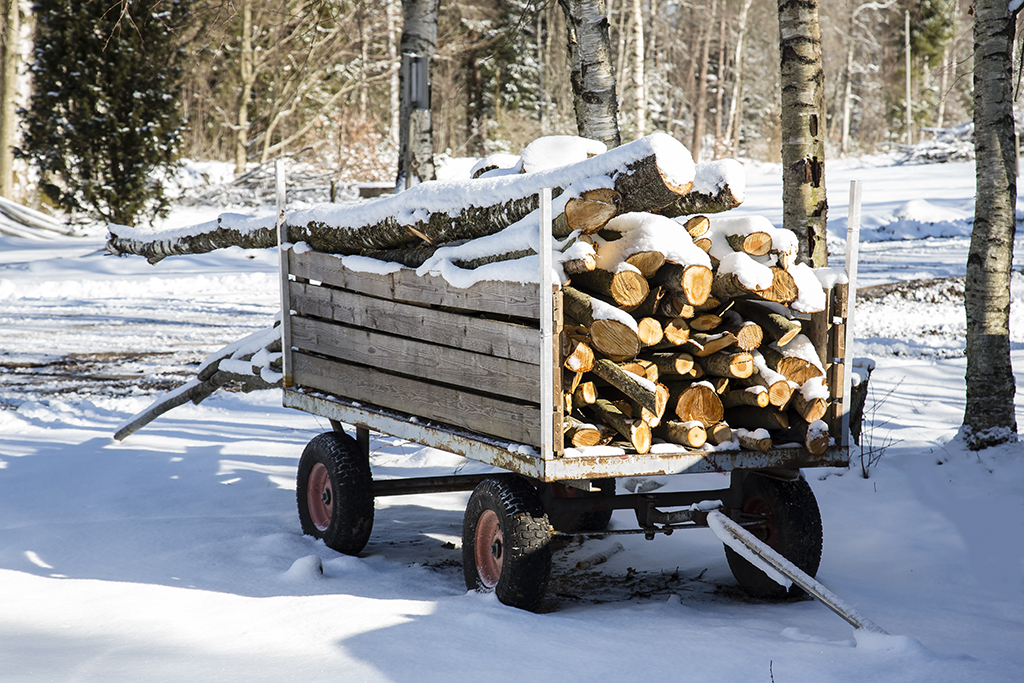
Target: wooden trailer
{"x":478,"y":371}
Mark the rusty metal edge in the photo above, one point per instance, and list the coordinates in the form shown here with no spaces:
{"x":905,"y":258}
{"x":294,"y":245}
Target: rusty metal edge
{"x":526,"y":460}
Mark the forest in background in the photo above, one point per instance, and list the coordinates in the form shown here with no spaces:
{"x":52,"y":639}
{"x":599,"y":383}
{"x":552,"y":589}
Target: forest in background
{"x":324,"y":77}
{"x":318,"y":80}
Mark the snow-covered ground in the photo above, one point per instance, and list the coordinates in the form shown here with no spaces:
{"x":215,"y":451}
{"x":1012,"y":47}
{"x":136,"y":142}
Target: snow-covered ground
{"x":176,"y":555}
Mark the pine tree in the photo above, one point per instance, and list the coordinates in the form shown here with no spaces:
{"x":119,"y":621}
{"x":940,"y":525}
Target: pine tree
{"x":104,"y":115}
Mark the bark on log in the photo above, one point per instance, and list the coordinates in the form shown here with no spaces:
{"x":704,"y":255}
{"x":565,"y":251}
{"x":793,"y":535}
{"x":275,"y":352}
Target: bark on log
{"x":753,"y":243}
{"x":751,"y":396}
{"x":777,"y":326}
{"x":627,"y":288}
{"x":609,"y":336}
{"x":637,"y":432}
{"x":672,"y":364}
{"x":581,"y":434}
{"x":691,"y":434}
{"x":750,"y":417}
{"x":738,"y":364}
{"x":754,"y":441}
{"x":584,"y":394}
{"x":689,"y":284}
{"x":628,"y":384}
{"x":707,"y":344}
{"x":719,"y":433}
{"x":700,"y":202}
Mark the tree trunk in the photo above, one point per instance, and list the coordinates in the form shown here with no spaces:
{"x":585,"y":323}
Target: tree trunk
{"x":8,"y":79}
{"x":700,"y":107}
{"x":805,"y":208}
{"x":246,"y":77}
{"x":416,"y":132}
{"x":732,"y":131}
{"x":394,"y":85}
{"x":989,"y":417}
{"x":639,"y":89}
{"x":593,"y":83}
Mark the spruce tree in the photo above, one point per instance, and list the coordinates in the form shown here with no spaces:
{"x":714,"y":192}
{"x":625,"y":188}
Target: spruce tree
{"x":103,"y":116}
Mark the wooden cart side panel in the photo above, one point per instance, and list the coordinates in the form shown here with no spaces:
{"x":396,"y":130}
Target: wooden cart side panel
{"x":484,"y":414}
{"x":497,"y":298}
{"x":425,"y":361}
{"x":471,"y":333}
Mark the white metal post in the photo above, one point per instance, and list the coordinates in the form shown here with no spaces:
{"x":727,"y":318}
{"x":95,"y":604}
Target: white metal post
{"x":547,"y":369}
{"x":282,"y":251}
{"x":852,"y":251}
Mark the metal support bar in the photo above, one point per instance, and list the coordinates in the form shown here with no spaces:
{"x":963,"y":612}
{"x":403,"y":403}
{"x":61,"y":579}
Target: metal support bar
{"x":852,"y":252}
{"x":282,"y":251}
{"x":729,"y":532}
{"x":401,"y":487}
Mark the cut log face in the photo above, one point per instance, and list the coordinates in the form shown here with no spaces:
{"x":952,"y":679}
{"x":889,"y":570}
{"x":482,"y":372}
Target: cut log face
{"x":689,"y":284}
{"x":699,"y":402}
{"x":754,"y":243}
{"x":647,"y":262}
{"x":576,"y":355}
{"x":627,"y":287}
{"x":591,"y":211}
{"x":719,"y":433}
{"x":676,"y":331}
{"x":738,"y":364}
{"x":650,"y":331}
{"x":691,"y":434}
{"x":697,"y":226}
{"x":672,"y":364}
{"x":703,"y":345}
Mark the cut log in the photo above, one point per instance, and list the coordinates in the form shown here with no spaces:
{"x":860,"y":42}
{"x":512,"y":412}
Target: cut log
{"x":577,"y":356}
{"x":638,"y":389}
{"x":753,"y":243}
{"x":691,"y":434}
{"x":703,"y":202}
{"x":749,"y":336}
{"x":757,"y":440}
{"x":609,"y":334}
{"x":697,"y":226}
{"x":780,"y":389}
{"x":627,"y":288}
{"x":698,"y":401}
{"x":703,"y":243}
{"x":737,"y":364}
{"x":789,"y":362}
{"x":581,"y":434}
{"x":636,"y":432}
{"x":705,"y":322}
{"x":672,"y":364}
{"x":647,"y":262}
{"x":584,"y":394}
{"x":587,"y":213}
{"x":707,"y":344}
{"x":810,"y":401}
{"x":672,"y":307}
{"x":751,"y":396}
{"x":642,"y":368}
{"x":689,"y":284}
{"x":676,"y":331}
{"x":721,"y":384}
{"x":778,"y":327}
{"x":783,"y":290}
{"x":650,"y":331}
{"x":719,"y":433}
{"x":816,"y":437}
{"x":649,"y":173}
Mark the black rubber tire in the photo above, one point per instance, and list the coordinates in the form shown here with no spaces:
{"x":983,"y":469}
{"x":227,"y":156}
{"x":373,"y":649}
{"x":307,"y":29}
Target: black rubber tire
{"x":347,"y":513}
{"x":524,"y":551}
{"x":791,"y":525}
{"x":572,"y":523}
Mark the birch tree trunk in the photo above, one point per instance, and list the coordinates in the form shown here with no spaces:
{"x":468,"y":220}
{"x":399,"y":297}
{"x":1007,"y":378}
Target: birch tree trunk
{"x":989,"y":417}
{"x":416,"y":131}
{"x":246,"y":77}
{"x":593,"y":82}
{"x":701,"y":106}
{"x":8,"y":78}
{"x":803,"y":128}
{"x":394,"y":87}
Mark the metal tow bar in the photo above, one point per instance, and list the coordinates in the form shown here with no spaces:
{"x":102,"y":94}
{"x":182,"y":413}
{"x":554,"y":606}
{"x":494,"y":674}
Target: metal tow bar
{"x":780,"y":569}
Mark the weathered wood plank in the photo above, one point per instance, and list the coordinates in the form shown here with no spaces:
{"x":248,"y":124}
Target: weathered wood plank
{"x":483,"y":414}
{"x":430,"y":362}
{"x":498,"y":298}
{"x":481,"y":335}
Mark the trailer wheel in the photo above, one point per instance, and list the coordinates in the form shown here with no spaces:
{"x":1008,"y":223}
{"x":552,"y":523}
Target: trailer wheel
{"x":505,"y":542}
{"x":334,"y":492}
{"x":788,"y":520}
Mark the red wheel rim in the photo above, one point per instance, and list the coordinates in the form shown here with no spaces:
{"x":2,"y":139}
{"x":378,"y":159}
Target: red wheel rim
{"x":488,"y":548}
{"x":757,"y":509}
{"x":320,"y":497}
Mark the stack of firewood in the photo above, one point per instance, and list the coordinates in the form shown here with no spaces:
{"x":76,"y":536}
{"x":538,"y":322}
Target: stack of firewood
{"x":686,"y":331}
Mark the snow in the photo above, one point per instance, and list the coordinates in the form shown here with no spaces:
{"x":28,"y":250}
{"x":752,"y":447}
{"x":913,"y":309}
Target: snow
{"x":176,"y":555}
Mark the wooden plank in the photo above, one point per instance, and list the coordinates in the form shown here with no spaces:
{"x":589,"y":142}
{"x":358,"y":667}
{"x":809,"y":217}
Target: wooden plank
{"x":483,"y":414}
{"x":422,"y":360}
{"x":472,"y":333}
{"x":498,"y":298}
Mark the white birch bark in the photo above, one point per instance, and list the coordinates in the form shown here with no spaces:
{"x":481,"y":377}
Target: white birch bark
{"x":593,"y":82}
{"x":989,"y":416}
